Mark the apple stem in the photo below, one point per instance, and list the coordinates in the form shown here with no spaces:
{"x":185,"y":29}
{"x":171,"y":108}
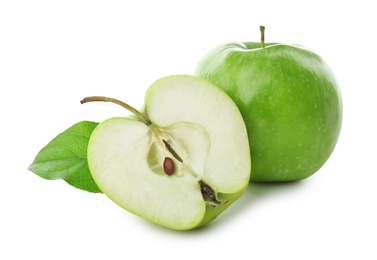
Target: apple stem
{"x":262,"y":35}
{"x":133,"y":110}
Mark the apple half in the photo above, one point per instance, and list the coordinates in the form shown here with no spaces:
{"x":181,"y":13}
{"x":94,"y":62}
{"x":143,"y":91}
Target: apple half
{"x":180,"y":162}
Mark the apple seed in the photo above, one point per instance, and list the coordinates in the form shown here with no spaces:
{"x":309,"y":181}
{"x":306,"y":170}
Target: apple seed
{"x":168,"y":166}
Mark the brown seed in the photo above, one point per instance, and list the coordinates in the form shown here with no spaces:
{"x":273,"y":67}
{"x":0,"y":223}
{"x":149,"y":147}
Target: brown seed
{"x":168,"y":166}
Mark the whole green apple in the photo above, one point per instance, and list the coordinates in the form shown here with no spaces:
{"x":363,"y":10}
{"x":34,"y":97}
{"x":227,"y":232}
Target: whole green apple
{"x":290,"y":102}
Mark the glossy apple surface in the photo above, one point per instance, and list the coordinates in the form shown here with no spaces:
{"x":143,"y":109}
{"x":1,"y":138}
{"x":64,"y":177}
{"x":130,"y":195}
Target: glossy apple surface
{"x":290,"y":102}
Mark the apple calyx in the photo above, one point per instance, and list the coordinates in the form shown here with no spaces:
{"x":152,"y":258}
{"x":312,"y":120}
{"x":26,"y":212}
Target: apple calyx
{"x":262,"y":28}
{"x":209,"y":195}
{"x":162,"y":139}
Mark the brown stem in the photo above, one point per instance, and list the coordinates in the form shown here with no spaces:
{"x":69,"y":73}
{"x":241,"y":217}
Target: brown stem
{"x":262,"y":35}
{"x":133,"y":110}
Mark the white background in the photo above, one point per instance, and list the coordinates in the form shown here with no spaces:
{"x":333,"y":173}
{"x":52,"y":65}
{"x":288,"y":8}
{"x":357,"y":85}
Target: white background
{"x":54,"y":53}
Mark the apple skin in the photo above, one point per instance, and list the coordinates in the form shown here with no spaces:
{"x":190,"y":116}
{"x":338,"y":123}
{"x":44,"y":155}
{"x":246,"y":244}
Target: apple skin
{"x":289,"y":99}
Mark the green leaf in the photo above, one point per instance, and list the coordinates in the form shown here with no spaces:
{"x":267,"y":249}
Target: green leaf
{"x":65,"y":157}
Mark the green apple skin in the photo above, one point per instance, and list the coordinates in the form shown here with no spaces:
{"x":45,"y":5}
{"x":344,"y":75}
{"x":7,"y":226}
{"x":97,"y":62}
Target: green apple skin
{"x":212,"y":212}
{"x":290,"y":102}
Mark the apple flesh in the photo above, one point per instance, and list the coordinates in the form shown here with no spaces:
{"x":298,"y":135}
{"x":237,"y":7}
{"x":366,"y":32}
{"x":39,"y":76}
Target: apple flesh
{"x":290,"y":102}
{"x":183,"y":163}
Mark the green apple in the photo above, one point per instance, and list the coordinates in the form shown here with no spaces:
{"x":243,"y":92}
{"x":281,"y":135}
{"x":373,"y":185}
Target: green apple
{"x":290,"y":102}
{"x":180,"y":162}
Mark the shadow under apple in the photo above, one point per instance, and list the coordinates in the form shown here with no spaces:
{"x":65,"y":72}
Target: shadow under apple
{"x":255,"y":194}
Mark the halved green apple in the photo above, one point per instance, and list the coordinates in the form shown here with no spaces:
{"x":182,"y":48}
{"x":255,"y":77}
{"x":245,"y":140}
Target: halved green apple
{"x":181,"y":162}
